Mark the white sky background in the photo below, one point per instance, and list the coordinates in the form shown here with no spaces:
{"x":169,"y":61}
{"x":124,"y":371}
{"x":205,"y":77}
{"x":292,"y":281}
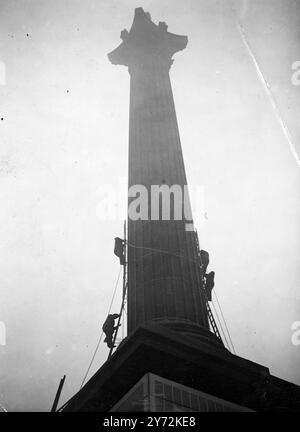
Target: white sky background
{"x":64,"y":134}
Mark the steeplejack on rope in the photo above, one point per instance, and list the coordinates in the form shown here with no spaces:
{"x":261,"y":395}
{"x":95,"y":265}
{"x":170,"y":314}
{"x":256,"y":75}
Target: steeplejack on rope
{"x":207,"y":282}
{"x":109,"y":328}
{"x":207,"y":285}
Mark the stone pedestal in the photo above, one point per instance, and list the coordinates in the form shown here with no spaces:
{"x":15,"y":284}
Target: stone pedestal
{"x":200,"y":364}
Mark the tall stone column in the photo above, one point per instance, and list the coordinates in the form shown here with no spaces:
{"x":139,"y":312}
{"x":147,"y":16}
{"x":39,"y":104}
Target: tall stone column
{"x":164,"y":282}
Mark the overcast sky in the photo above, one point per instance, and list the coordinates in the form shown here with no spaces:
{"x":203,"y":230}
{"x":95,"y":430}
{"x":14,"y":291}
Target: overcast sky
{"x":64,"y":135}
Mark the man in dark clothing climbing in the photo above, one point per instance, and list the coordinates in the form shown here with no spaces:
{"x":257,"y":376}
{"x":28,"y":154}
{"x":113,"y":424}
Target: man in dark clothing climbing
{"x":204,"y":256}
{"x":109,"y":328}
{"x":208,"y":278}
{"x":209,"y":283}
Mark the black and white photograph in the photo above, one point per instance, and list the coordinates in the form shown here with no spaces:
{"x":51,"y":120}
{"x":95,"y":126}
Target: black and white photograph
{"x":149,"y":209}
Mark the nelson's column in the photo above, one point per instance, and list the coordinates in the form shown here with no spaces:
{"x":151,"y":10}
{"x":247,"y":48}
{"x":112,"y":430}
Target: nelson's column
{"x":173,"y":358}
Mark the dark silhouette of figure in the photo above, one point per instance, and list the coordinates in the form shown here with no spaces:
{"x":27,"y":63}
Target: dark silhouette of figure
{"x":109,"y":328}
{"x":208,"y":278}
{"x":120,"y":249}
{"x":209,"y":284}
{"x":204,"y":260}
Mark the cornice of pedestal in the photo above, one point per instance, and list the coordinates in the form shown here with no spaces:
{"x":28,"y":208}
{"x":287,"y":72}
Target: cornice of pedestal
{"x":147,"y":44}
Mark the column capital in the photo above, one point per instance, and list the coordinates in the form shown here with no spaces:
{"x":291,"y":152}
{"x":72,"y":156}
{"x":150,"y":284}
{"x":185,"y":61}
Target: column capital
{"x":147,"y":43}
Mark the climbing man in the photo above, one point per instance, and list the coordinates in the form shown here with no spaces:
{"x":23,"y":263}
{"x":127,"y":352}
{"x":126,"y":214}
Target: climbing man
{"x":204,"y":260}
{"x":208,"y":278}
{"x":109,"y":329}
{"x":120,"y":250}
{"x":209,"y":284}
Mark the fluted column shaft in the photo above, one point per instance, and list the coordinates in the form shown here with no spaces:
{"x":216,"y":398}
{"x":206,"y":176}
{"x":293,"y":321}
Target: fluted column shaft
{"x":164,"y":280}
{"x":163,"y":272}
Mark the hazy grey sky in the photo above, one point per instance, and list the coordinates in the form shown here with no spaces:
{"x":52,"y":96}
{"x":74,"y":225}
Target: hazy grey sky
{"x":64,"y":135}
